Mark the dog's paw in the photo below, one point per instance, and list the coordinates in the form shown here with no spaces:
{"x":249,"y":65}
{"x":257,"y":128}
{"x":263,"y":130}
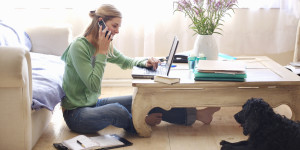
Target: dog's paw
{"x":223,"y":142}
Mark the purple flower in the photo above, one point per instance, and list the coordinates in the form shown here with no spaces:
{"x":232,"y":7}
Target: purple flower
{"x":231,"y":2}
{"x":205,"y":13}
{"x":218,"y":5}
{"x":184,"y":2}
{"x":196,"y":11}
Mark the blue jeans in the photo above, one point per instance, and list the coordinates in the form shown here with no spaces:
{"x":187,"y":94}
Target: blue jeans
{"x":116,"y":111}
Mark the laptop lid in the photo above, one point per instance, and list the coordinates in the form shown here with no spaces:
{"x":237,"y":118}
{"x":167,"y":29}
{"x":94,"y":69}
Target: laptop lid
{"x":172,"y":54}
{"x":143,"y":74}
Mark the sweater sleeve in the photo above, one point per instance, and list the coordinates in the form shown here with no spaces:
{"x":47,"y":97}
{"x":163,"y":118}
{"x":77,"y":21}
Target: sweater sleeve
{"x":126,"y":62}
{"x":90,"y":73}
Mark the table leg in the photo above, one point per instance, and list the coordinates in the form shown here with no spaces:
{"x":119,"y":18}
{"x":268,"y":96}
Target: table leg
{"x":140,"y":109}
{"x":295,"y":109}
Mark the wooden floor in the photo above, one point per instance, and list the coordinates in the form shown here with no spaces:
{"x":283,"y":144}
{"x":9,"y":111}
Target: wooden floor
{"x":165,"y":136}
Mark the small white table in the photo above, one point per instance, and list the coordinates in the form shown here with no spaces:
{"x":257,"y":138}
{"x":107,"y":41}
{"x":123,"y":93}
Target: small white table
{"x":265,"y":79}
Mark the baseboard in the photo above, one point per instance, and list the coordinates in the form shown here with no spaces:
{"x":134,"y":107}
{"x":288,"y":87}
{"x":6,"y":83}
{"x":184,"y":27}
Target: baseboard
{"x":116,"y":82}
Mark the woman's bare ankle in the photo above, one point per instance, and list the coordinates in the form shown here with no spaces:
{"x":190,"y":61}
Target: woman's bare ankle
{"x":206,"y":115}
{"x":153,"y":119}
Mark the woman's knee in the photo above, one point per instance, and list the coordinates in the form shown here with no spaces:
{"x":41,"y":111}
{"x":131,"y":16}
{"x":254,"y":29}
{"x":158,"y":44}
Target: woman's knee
{"x":119,"y":110}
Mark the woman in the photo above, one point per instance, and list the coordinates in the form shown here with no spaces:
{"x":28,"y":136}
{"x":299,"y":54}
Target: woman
{"x":85,"y":59}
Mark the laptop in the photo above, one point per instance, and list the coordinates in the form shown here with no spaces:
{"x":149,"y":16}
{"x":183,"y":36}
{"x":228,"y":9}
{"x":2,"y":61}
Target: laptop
{"x":163,"y":69}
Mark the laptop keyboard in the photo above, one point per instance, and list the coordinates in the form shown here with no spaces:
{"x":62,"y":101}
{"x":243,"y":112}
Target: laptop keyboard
{"x":158,"y":71}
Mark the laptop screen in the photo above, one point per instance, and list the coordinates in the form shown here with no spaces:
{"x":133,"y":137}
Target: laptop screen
{"x":144,"y":73}
{"x":172,"y":53}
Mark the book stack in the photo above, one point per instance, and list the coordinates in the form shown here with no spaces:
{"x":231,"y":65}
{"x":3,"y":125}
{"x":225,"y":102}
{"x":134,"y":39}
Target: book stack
{"x":166,"y":79}
{"x":216,"y":70}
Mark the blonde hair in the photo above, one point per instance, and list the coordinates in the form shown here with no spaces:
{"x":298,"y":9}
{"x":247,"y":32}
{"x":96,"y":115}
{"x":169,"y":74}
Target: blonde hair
{"x":106,"y":12}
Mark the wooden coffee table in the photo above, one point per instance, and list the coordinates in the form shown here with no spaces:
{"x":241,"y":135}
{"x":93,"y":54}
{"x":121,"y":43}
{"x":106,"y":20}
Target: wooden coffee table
{"x":265,"y":79}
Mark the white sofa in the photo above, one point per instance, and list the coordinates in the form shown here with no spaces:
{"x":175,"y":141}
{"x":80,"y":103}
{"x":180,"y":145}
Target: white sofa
{"x":21,"y":127}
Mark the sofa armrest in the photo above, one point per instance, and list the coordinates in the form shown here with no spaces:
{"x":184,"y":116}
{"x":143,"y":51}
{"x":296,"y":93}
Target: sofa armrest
{"x":50,"y":39}
{"x":15,"y":98}
{"x":13,"y":63}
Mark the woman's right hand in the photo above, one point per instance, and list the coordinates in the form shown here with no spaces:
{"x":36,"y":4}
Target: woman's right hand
{"x":103,"y":42}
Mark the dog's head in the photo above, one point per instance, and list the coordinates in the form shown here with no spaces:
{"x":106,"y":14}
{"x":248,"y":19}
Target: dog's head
{"x":254,"y":113}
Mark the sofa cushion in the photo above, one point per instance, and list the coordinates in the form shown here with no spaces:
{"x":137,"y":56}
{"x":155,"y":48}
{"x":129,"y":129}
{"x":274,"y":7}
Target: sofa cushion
{"x":13,"y":36}
{"x":50,"y":39}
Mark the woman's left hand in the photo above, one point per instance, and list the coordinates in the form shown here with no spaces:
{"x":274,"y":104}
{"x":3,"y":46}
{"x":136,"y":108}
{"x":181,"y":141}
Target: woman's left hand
{"x":152,"y":62}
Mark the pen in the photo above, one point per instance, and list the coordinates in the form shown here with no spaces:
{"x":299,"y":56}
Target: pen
{"x":80,"y":143}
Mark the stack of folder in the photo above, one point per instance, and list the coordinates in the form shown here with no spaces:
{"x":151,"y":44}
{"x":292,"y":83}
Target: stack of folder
{"x":216,"y":70}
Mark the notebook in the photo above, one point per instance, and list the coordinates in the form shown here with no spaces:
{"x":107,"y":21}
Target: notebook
{"x":82,"y":142}
{"x":162,"y":70}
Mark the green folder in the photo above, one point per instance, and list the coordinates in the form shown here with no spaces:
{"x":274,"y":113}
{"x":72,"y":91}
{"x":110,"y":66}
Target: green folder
{"x":219,"y":79}
{"x":218,"y":75}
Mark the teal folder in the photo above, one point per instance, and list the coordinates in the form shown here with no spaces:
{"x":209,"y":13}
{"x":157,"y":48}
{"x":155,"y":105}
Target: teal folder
{"x":218,"y":75}
{"x":219,"y":79}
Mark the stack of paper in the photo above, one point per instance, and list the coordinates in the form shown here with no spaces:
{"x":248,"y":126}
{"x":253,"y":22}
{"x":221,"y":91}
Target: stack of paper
{"x":216,"y":70}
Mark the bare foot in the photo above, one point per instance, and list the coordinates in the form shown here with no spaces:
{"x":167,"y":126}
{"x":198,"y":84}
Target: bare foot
{"x":206,"y":115}
{"x":153,"y":119}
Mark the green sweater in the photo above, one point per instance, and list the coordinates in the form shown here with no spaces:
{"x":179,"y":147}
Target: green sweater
{"x":84,"y":73}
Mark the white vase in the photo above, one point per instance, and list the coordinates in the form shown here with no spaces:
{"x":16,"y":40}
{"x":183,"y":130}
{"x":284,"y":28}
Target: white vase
{"x":207,"y":46}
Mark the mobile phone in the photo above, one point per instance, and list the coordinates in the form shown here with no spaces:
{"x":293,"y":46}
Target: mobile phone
{"x":102,"y":23}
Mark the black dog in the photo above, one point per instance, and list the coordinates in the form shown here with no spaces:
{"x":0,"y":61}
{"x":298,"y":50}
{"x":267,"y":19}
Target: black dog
{"x":266,"y":129}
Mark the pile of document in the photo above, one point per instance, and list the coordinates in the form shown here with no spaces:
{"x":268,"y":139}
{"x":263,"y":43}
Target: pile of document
{"x":216,"y":70}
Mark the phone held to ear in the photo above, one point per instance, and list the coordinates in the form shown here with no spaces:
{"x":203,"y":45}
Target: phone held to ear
{"x":102,"y":23}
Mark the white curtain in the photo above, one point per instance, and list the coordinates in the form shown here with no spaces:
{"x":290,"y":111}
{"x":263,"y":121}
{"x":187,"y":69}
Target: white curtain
{"x":290,"y":6}
{"x":257,"y":27}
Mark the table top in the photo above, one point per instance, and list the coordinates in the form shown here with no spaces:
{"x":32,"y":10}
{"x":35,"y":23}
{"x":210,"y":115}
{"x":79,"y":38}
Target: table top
{"x":260,"y":70}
